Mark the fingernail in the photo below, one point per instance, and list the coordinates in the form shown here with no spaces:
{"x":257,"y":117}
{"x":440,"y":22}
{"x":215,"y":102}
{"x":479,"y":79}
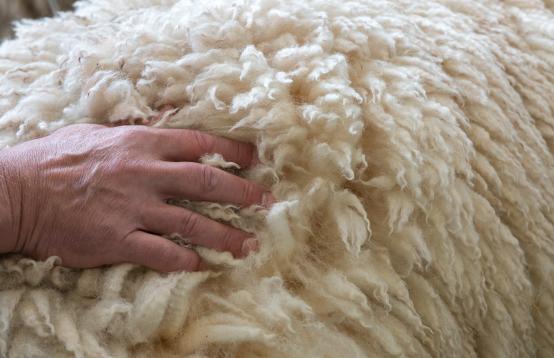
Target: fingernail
{"x":268,"y":200}
{"x":250,"y":245}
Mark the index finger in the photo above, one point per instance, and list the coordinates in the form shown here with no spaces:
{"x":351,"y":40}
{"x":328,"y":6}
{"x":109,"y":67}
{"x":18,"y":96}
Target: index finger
{"x":189,"y":145}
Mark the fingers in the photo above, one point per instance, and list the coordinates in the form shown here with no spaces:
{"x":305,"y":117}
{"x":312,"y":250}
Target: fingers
{"x":200,"y":230}
{"x":200,"y":182}
{"x":158,"y":253}
{"x":190,"y":145}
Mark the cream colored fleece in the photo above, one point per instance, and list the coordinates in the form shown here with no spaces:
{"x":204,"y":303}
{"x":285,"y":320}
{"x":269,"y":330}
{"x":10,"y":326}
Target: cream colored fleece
{"x":410,"y":144}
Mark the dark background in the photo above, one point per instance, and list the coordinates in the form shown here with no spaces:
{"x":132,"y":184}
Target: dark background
{"x":11,"y":10}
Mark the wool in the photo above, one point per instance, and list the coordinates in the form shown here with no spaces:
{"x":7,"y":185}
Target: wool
{"x":409,"y":144}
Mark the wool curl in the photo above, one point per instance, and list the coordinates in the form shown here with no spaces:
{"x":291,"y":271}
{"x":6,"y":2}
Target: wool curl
{"x":410,"y":146}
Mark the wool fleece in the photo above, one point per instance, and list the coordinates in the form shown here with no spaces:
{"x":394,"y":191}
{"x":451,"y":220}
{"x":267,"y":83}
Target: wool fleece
{"x":409,"y":143}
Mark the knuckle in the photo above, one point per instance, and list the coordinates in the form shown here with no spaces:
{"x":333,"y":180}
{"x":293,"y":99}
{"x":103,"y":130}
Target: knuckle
{"x":167,"y":254}
{"x":77,"y":128}
{"x":239,"y":150}
{"x":228,"y":241}
{"x":142,"y":215}
{"x":121,"y":167}
{"x":208,"y":178}
{"x":189,"y":223}
{"x":249,"y":193}
{"x":243,"y":152}
{"x":133,"y":134}
{"x":203,"y":141}
{"x":135,"y":167}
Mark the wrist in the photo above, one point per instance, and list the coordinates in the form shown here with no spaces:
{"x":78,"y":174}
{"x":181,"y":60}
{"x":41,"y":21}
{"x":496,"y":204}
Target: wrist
{"x":8,"y":231}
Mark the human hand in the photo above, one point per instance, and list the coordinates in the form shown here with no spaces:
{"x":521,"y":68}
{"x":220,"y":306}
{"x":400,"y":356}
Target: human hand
{"x":94,"y":195}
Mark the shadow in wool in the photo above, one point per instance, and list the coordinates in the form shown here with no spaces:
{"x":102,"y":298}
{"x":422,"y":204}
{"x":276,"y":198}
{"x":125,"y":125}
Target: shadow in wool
{"x":410,"y":145}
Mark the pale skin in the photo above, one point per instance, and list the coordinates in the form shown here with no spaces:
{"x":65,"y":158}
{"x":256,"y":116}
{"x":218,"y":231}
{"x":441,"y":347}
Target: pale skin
{"x":94,"y":196}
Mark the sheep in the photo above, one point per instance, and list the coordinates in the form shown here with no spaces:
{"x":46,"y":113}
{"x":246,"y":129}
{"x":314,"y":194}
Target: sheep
{"x":410,"y":146}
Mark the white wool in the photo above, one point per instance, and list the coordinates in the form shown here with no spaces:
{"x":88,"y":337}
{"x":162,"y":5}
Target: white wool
{"x":410,"y":145}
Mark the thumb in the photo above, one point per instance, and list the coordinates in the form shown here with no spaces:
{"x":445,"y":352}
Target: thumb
{"x":158,"y":253}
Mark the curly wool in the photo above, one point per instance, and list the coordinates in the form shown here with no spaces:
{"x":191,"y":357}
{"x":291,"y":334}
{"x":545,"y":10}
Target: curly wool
{"x":410,"y":145}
